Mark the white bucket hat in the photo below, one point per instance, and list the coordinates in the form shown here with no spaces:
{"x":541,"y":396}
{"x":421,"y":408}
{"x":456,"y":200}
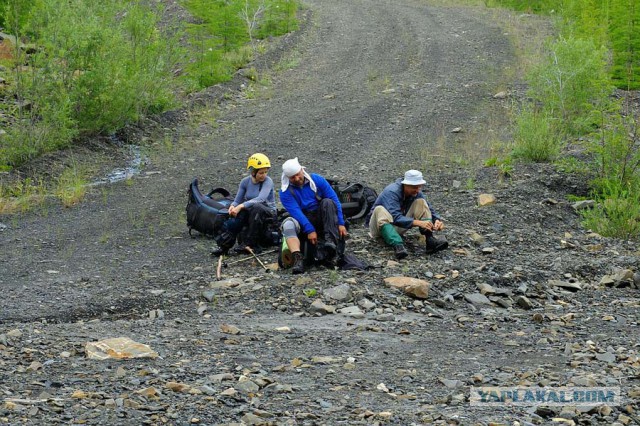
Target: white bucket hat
{"x":413,"y":177}
{"x":290,"y":168}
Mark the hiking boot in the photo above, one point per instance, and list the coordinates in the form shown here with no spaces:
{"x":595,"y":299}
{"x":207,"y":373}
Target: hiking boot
{"x":219,"y":251}
{"x":434,"y":245}
{"x":298,"y":263}
{"x":400,"y":251}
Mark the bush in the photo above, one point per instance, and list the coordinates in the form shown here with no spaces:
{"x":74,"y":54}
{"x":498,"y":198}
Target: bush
{"x":569,"y":81}
{"x":617,"y":213}
{"x":535,"y":138}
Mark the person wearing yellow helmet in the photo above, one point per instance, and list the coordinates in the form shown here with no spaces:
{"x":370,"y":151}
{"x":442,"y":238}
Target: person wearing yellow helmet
{"x":252,"y":210}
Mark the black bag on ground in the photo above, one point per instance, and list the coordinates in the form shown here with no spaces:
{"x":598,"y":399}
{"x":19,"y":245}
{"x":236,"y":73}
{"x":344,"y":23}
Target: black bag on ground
{"x":207,"y":213}
{"x":356,"y":199}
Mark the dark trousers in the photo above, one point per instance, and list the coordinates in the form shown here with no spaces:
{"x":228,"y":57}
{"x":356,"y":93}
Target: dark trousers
{"x":254,"y":223}
{"x":325,"y":221}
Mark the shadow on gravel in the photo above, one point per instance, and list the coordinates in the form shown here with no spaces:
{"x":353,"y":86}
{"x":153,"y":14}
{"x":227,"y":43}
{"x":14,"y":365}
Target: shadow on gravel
{"x":124,"y":308}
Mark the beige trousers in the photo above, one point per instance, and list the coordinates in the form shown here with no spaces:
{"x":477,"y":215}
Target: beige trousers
{"x":419,"y":210}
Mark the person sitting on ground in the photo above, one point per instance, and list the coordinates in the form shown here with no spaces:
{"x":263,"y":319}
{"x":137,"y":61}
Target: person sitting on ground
{"x":401,"y":206}
{"x":252,"y":210}
{"x":315,"y":212}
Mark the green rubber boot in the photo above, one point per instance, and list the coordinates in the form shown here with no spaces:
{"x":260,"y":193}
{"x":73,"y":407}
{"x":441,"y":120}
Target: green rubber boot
{"x":390,"y":235}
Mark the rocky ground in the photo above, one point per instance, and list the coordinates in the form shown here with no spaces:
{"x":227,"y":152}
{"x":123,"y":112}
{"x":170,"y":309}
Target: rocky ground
{"x":524,"y":296}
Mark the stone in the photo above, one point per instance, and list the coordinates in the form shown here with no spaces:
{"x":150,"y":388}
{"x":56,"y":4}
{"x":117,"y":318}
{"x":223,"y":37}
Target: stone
{"x":385,"y":317}
{"x":118,"y":348}
{"x":246,"y":386}
{"x":524,"y":302}
{"x":477,"y":238}
{"x":155,"y":314}
{"x":477,"y":299}
{"x":228,"y":283}
{"x":178,"y":387}
{"x":606,"y":357}
{"x":485,"y":288}
{"x":319,"y":307}
{"x":411,"y":286}
{"x":14,"y":333}
{"x":230,"y":329}
{"x":566,"y":285}
{"x":366,"y":304}
{"x":486,"y":200}
{"x":583,"y":205}
{"x":352,"y":311}
{"x":339,"y":293}
{"x":219,"y":378}
{"x":209,"y":295}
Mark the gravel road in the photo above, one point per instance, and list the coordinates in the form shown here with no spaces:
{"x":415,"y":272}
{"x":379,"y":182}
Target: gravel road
{"x":366,"y":90}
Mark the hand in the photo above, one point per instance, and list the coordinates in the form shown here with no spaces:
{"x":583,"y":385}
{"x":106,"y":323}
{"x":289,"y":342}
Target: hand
{"x":423,"y":224}
{"x":313,"y":237}
{"x":233,"y":211}
{"x":438,"y":225}
{"x":342,"y":230}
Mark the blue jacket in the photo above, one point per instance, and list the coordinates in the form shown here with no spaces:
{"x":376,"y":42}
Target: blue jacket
{"x":392,"y":199}
{"x":297,"y":200}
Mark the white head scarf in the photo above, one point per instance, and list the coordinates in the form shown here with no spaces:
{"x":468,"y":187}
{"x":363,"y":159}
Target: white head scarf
{"x":290,"y":168}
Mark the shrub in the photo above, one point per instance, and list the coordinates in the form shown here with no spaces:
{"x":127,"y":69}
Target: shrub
{"x":535,"y":137}
{"x":569,"y":81}
{"x":617,"y":213}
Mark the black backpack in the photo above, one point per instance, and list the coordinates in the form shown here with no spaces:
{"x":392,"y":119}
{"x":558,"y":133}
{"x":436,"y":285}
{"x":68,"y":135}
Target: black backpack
{"x":207,"y":213}
{"x":356,"y":199}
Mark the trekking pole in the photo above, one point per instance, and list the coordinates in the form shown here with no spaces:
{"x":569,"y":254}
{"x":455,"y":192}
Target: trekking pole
{"x":247,"y":258}
{"x":219,"y":268}
{"x":250,"y":250}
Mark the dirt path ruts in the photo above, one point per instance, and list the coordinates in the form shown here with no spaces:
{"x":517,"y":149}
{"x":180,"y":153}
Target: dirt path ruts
{"x":376,"y":81}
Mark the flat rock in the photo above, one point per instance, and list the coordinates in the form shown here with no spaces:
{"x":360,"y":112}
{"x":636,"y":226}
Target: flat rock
{"x":411,"y":286}
{"x":567,"y":285}
{"x":339,"y":293}
{"x":352,"y":311}
{"x":477,"y":299}
{"x":486,"y":200}
{"x":319,"y":307}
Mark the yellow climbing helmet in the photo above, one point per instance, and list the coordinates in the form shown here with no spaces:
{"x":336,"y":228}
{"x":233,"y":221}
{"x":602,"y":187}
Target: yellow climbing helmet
{"x":258,"y":161}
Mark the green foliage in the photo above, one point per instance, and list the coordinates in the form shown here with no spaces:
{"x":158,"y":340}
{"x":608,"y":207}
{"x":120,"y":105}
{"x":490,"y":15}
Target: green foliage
{"x":617,"y":155}
{"x":611,"y":23}
{"x":224,"y":28}
{"x":71,"y":186}
{"x":310,"y":292}
{"x":569,"y":81}
{"x":14,"y":14}
{"x":529,"y":6}
{"x":279,"y":18}
{"x":617,"y":213}
{"x":535,"y":137}
{"x":111,"y":60}
{"x":97,"y":67}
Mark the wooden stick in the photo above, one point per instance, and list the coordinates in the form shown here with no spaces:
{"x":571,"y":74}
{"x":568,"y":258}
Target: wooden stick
{"x":219,"y":268}
{"x":259,"y":261}
{"x":248,"y":258}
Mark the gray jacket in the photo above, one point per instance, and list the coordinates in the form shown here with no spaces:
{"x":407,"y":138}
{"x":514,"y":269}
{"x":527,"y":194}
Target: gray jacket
{"x":392,"y":199}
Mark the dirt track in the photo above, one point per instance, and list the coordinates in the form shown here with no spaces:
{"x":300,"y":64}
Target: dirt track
{"x":373,"y":88}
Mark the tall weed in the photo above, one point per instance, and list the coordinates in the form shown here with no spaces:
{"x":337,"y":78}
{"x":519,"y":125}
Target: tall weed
{"x":569,"y":81}
{"x":536,"y":138}
{"x":617,"y":213}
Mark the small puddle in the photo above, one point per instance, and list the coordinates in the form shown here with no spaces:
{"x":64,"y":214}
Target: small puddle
{"x":132,"y":168}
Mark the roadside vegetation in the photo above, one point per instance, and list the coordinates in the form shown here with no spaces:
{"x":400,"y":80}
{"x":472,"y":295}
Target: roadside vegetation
{"x":581,"y":96}
{"x":73,"y":69}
